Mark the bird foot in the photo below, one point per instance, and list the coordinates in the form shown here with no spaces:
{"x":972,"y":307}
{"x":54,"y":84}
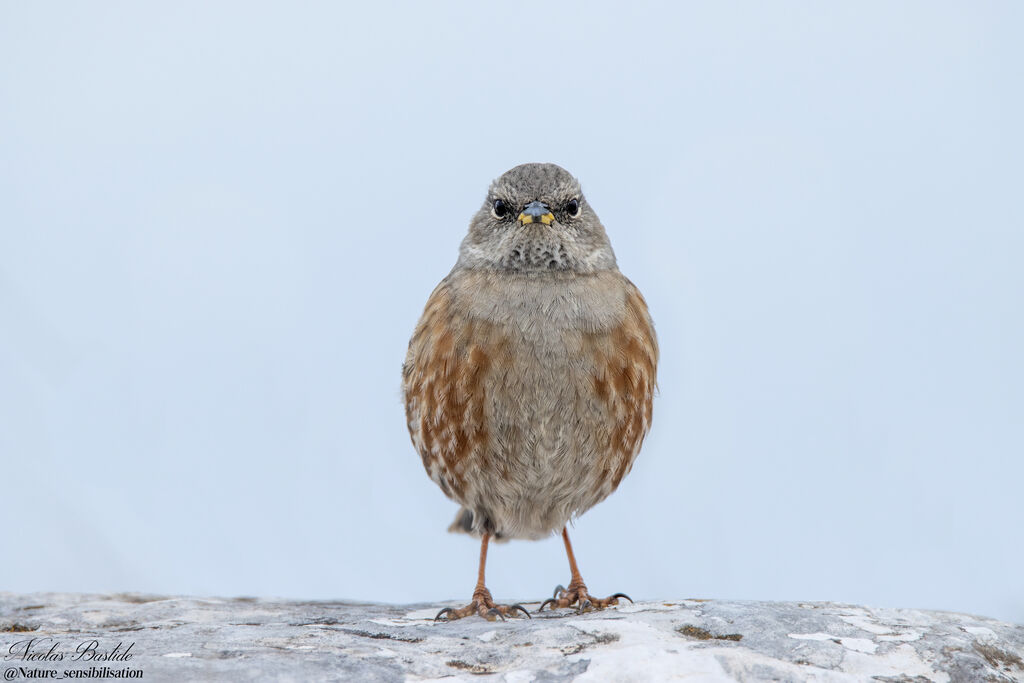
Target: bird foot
{"x":483,"y":604}
{"x":577,"y":595}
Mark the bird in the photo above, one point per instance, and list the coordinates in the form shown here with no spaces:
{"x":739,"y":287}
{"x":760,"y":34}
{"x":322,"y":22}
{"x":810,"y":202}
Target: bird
{"x":529,"y":379}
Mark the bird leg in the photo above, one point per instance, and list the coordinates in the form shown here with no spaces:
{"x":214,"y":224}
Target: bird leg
{"x":576,"y":593}
{"x":483,"y":604}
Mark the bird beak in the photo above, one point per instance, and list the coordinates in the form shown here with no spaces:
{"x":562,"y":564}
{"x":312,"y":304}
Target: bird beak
{"x":536,"y":211}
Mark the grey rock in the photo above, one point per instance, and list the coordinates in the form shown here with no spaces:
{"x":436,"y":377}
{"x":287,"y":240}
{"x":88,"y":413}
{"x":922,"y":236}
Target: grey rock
{"x":245,"y":639}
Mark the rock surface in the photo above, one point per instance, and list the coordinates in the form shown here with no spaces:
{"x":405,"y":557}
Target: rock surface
{"x":245,"y":639}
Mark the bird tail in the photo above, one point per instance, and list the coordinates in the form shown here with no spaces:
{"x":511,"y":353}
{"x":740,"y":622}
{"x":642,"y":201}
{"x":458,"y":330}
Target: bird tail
{"x":463,"y":523}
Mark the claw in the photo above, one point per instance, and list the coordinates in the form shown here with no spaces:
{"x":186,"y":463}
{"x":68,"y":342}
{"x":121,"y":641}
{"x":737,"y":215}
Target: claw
{"x":583,"y":606}
{"x":544,"y":604}
{"x":512,"y":609}
{"x":483,"y":606}
{"x":621,"y":595}
{"x":559,"y":591}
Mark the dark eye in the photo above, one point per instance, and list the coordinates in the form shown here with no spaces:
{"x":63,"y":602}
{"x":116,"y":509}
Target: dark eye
{"x":499,"y":209}
{"x":572,"y":208}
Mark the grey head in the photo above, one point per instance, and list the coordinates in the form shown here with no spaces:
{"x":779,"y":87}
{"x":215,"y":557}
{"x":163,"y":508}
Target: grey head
{"x":536,"y":219}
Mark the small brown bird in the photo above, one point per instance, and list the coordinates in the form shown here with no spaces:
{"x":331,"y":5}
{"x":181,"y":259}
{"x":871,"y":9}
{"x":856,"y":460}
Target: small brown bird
{"x":529,"y":379}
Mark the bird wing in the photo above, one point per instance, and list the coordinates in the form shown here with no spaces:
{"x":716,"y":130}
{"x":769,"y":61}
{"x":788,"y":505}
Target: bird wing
{"x":443,"y":383}
{"x":625,"y":360}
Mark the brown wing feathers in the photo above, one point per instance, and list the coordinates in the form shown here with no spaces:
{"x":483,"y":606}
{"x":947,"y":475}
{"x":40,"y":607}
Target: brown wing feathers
{"x":449,"y":358}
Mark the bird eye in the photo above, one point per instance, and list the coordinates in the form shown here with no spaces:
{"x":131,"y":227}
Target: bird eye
{"x":573,"y":208}
{"x":499,"y":209}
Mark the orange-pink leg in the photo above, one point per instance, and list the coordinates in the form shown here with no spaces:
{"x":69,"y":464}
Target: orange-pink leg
{"x":576,"y":593}
{"x":483,"y":604}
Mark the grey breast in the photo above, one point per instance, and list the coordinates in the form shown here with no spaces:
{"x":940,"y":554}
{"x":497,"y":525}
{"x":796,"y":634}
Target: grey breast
{"x":539,"y":406}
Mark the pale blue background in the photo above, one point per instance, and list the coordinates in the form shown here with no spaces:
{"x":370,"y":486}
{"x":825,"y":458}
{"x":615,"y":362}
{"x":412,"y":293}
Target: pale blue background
{"x":218,"y":226}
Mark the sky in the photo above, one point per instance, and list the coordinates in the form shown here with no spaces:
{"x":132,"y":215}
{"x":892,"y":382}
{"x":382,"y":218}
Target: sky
{"x":219,"y":225}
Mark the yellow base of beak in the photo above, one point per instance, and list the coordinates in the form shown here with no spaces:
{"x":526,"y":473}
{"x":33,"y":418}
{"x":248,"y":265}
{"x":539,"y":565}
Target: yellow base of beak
{"x":546,"y":219}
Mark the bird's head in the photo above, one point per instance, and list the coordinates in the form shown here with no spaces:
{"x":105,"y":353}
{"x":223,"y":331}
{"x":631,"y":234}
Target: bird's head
{"x":535,"y":218}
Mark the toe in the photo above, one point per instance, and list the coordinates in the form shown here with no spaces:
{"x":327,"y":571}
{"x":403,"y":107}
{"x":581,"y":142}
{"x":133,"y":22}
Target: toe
{"x":512,"y":609}
{"x":492,"y":614}
{"x":448,"y":613}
